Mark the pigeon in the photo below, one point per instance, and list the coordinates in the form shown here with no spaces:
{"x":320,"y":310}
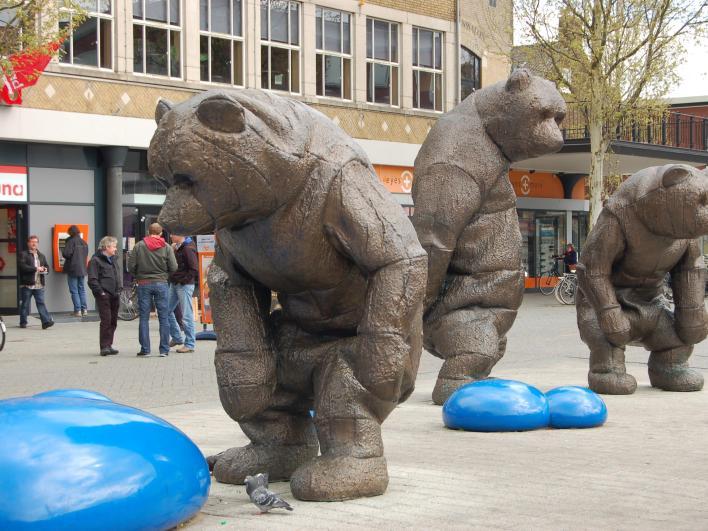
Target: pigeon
{"x":264,"y":499}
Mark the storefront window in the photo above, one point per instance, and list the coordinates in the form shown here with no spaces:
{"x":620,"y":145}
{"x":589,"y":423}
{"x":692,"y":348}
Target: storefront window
{"x":543,"y":235}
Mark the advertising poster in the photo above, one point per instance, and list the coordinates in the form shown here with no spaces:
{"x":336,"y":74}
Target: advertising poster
{"x":205,"y":251}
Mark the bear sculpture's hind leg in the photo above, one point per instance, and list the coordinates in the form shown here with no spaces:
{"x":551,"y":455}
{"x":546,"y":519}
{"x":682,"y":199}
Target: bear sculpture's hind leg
{"x":469,"y":341}
{"x":281,"y":441}
{"x":668,"y":370}
{"x":348,"y":421}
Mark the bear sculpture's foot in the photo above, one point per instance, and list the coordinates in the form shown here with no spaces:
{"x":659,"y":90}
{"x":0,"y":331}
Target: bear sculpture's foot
{"x":444,"y":387}
{"x":329,"y":478}
{"x":279,"y":461}
{"x":612,"y":383}
{"x":671,"y":377}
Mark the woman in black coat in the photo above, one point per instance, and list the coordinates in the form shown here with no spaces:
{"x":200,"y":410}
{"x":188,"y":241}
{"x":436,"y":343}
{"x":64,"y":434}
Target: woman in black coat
{"x":75,"y":255}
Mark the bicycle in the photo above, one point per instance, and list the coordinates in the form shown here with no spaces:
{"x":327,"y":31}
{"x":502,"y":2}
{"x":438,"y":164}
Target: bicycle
{"x":128,"y":306}
{"x":566,"y":287}
{"x":3,"y":330}
{"x":549,"y":279}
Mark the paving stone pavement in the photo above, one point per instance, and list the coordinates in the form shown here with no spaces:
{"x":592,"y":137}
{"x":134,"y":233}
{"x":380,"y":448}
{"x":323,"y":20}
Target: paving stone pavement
{"x":645,"y":468}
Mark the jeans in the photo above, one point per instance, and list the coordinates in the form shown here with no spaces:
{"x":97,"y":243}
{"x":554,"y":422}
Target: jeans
{"x":77,"y":289}
{"x":107,"y":307}
{"x":147,"y":293}
{"x":181,"y":294}
{"x":26,"y":300}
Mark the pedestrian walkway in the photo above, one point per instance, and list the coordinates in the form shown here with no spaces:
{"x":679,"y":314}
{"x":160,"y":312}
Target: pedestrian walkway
{"x":645,"y":468}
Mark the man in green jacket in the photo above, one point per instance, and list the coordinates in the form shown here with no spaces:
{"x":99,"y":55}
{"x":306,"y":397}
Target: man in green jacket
{"x":150,"y":262}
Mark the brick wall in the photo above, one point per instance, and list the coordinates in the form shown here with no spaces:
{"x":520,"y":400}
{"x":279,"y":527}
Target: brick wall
{"x":443,"y":9}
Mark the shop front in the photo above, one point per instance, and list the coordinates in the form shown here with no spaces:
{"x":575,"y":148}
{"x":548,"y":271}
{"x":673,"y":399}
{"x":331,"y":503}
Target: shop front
{"x":13,"y":213}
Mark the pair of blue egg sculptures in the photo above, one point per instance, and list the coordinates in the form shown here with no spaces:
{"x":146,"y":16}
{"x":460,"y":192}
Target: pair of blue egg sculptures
{"x":73,"y":459}
{"x":508,"y":405}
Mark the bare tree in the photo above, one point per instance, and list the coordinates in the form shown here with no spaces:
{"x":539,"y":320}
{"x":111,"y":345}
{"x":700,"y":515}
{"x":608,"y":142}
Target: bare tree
{"x":32,"y":27}
{"x":613,"y":57}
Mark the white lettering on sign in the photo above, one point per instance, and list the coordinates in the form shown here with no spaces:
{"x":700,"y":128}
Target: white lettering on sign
{"x":13,"y":184}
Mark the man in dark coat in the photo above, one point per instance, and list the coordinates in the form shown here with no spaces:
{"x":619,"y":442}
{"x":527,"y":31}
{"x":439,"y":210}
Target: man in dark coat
{"x":106,"y":282}
{"x":75,"y":254}
{"x":33,"y":268}
{"x":181,"y":290}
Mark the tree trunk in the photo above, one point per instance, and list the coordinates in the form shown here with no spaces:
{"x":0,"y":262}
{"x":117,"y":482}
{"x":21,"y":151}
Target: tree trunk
{"x":597,"y":158}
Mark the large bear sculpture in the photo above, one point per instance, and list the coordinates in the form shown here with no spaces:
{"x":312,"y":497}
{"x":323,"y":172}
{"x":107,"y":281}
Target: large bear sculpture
{"x":298,"y":210}
{"x":648,"y":228}
{"x":466,"y":220}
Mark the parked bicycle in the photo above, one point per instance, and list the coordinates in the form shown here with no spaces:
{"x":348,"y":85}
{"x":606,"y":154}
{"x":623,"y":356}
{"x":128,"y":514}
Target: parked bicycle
{"x":128,"y":306}
{"x":565,"y":288}
{"x":548,"y":280}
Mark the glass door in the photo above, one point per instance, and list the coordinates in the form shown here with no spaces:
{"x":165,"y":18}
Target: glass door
{"x":11,"y":225}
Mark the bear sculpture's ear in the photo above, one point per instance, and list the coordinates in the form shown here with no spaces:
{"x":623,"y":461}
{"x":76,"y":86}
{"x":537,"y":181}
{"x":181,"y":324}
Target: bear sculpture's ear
{"x":519,"y":80}
{"x":163,"y":106}
{"x":222,"y":113}
{"x":675,"y":175}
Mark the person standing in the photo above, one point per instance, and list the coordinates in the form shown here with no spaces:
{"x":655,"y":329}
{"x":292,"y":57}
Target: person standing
{"x":33,"y":268}
{"x":181,"y":291}
{"x":151,"y":262}
{"x":75,"y":255}
{"x":105,"y":280}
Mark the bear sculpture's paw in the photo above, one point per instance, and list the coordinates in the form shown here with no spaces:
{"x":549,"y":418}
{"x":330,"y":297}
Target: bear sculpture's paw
{"x":330,"y":478}
{"x":279,"y":461}
{"x":444,"y":387}
{"x":675,"y":378}
{"x":612,"y":383}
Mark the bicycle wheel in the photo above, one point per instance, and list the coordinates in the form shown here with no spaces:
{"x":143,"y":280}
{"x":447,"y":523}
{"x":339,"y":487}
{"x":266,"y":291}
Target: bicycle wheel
{"x":566,"y":291}
{"x":3,"y":330}
{"x":547,"y":283}
{"x":128,"y":307}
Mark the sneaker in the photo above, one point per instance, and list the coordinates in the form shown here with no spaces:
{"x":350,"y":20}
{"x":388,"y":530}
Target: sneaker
{"x":174,"y":343}
{"x":48,"y":324}
{"x":108,"y":352}
{"x":84,"y":313}
{"x":184,"y":350}
{"x":76,"y":314}
{"x":164,"y":354}
{"x":113,"y":350}
{"x":144,"y":354}
{"x":23,"y":325}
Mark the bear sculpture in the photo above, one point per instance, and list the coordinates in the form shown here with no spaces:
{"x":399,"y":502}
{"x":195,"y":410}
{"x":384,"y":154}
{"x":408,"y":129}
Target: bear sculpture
{"x":648,"y":228}
{"x":298,"y":210}
{"x":466,"y":220}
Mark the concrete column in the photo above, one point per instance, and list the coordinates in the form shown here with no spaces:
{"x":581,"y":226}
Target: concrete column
{"x":113,"y":160}
{"x":405,"y":46}
{"x":308,"y":35}
{"x":359,"y":53}
{"x":190,"y":40}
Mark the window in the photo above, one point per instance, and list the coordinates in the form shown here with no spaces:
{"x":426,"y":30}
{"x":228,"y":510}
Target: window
{"x":427,"y":70}
{"x":89,"y":43}
{"x":280,"y":45}
{"x":221,"y":41}
{"x":381,"y":62}
{"x":157,"y":37}
{"x":470,"y":73}
{"x":333,"y":59}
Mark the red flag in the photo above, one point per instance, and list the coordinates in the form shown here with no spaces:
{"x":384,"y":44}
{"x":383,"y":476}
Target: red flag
{"x":26,"y":69}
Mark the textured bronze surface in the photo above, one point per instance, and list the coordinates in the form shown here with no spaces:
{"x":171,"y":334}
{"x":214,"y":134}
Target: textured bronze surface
{"x":298,"y":210}
{"x":648,"y":228}
{"x":465,"y":216}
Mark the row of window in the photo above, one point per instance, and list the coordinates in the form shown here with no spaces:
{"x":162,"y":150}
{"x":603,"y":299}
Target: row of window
{"x":157,"y":32}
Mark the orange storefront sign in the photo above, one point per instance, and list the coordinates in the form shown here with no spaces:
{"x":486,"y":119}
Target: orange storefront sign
{"x":536,"y":184}
{"x":396,"y":179}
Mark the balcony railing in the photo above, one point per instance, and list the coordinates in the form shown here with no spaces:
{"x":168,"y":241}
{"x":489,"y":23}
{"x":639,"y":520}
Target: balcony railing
{"x":669,"y":128}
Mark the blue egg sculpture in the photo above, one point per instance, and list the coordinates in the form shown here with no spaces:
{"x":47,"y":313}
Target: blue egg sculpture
{"x":576,"y":407}
{"x":74,"y":393}
{"x":496,"y":405}
{"x":70,"y":463}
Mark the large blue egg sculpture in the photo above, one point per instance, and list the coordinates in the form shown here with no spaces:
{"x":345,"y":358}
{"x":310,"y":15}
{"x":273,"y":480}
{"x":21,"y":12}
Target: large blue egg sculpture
{"x":496,"y":405}
{"x":74,"y":393}
{"x":576,"y":407}
{"x":70,"y":463}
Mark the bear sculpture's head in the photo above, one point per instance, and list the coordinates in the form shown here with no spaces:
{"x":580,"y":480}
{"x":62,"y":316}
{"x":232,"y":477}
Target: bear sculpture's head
{"x":227,"y":158}
{"x":522,"y":115}
{"x":673,"y":200}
